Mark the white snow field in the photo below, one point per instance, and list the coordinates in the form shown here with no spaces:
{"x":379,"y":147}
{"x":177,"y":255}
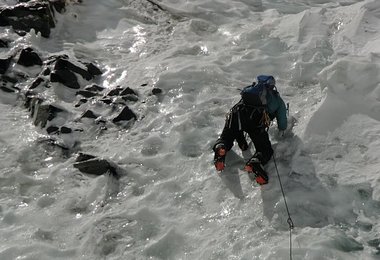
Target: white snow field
{"x":169,"y":202}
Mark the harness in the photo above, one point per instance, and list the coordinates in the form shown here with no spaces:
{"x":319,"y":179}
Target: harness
{"x":240,"y":109}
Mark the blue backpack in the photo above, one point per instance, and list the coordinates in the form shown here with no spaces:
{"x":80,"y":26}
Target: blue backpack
{"x":255,"y":95}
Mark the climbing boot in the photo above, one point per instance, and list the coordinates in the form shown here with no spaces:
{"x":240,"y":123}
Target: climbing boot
{"x":253,"y":167}
{"x":219,"y":157}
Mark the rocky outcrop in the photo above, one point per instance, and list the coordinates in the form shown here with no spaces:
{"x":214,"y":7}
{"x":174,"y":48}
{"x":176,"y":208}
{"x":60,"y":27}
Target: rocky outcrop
{"x":66,"y":77}
{"x":63,"y":64}
{"x":90,"y":164}
{"x":62,"y":93}
{"x":63,"y":72}
{"x":37,"y":15}
{"x":94,"y":88}
{"x":41,"y":112}
{"x":4,"y":63}
{"x":126,"y":114}
{"x":28,"y":57}
{"x":36,"y":82}
{"x":156,"y":91}
{"x":89,"y":114}
{"x":7,"y":84}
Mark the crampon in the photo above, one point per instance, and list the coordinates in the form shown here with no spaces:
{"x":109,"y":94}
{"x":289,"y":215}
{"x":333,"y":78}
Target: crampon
{"x":253,"y":166}
{"x":219,"y":158}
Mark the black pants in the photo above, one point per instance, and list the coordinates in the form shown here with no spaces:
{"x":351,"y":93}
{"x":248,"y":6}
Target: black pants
{"x":238,"y":122}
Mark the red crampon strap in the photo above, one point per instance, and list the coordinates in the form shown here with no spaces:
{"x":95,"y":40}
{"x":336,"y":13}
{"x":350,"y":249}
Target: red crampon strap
{"x":222,"y":152}
{"x":248,"y":168}
{"x":219,"y":166}
{"x":260,"y":180}
{"x":219,"y":162}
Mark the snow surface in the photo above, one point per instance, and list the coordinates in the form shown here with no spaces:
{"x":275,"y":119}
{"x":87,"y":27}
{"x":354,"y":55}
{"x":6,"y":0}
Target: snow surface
{"x":170,"y":203}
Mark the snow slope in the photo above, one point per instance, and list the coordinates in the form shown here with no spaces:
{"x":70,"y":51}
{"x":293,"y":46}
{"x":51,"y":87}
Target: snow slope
{"x":170,"y":203}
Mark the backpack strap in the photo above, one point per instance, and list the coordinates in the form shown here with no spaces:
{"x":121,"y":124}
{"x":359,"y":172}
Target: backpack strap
{"x":235,"y":110}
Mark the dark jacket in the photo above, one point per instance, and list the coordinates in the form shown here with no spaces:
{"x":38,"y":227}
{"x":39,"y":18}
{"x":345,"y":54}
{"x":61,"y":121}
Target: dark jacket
{"x":248,"y":117}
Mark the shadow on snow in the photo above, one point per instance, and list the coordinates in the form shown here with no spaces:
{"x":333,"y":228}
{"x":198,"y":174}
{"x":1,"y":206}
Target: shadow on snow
{"x":309,"y":202}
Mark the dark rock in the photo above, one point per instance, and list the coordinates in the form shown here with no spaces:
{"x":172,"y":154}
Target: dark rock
{"x":8,"y":84}
{"x":33,"y":104}
{"x":106,"y":101}
{"x":52,"y":129}
{"x":6,"y":78}
{"x":125,"y":115}
{"x":89,"y":114}
{"x":53,"y":111}
{"x":84,"y":157}
{"x":42,"y":113}
{"x":63,"y":64}
{"x":114,"y":92}
{"x":8,"y":90}
{"x":36,"y":83}
{"x":66,"y":77}
{"x":35,"y":15}
{"x":101,"y":121}
{"x":50,"y":60}
{"x":46,"y":71}
{"x":90,"y":164}
{"x":94,"y":88}
{"x":86,"y":93}
{"x":4,"y":43}
{"x":4,"y":64}
{"x":29,"y":99}
{"x":20,"y":32}
{"x":28,"y":57}
{"x":156,"y":91}
{"x":130,"y":98}
{"x":128,"y":91}
{"x":93,"y":70}
{"x":144,"y":85}
{"x":66,"y":130}
{"x":93,"y":166}
{"x":81,"y":101}
{"x":16,"y":88}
